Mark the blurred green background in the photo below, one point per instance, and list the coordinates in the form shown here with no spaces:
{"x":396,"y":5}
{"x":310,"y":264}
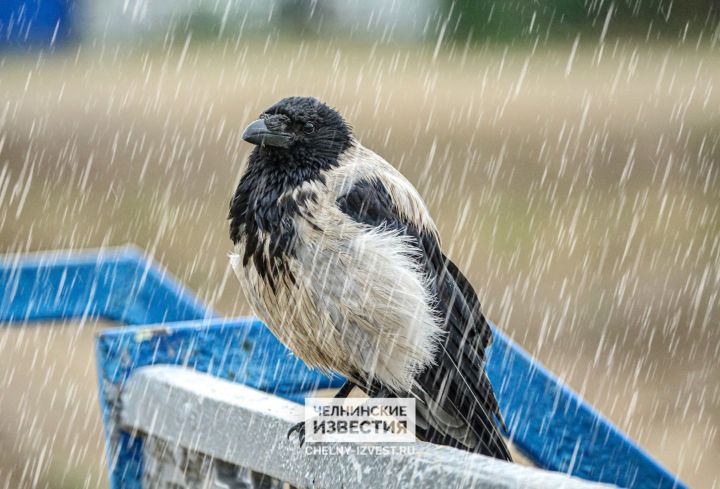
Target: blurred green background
{"x":569,"y":152}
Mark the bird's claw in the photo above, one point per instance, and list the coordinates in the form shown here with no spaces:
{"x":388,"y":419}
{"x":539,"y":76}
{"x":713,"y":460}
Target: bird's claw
{"x":300,"y":429}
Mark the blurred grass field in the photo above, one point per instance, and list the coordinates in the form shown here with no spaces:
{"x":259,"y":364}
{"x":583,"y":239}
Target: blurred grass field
{"x":578,"y":189}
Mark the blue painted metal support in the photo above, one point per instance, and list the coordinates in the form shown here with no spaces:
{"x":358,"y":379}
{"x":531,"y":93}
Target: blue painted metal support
{"x":559,"y":431}
{"x":35,"y":23}
{"x":547,"y":421}
{"x":118,"y":284}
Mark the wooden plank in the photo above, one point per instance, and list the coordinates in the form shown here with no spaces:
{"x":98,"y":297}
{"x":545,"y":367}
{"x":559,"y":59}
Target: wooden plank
{"x":248,"y":428}
{"x":242,"y":350}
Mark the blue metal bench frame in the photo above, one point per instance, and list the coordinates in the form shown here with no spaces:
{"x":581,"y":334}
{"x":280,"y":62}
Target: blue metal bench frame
{"x":167,"y":324}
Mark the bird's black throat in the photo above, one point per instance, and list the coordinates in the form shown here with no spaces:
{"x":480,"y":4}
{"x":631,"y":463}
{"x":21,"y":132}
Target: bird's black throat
{"x":264,"y":207}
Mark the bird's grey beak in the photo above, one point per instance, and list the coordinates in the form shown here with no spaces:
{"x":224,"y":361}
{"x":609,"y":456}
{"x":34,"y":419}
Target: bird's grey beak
{"x":258,"y":133}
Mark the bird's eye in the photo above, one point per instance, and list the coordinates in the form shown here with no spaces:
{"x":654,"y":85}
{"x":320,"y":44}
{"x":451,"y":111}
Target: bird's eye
{"x":308,"y":128}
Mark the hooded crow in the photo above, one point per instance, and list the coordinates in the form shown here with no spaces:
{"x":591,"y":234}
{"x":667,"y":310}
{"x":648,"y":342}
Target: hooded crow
{"x":339,"y":256}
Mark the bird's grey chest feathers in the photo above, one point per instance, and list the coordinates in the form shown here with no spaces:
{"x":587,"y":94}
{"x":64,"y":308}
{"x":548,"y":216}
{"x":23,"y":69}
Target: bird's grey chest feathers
{"x":341,"y":296}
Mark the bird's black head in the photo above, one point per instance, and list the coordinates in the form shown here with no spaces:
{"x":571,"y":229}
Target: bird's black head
{"x":299,"y":132}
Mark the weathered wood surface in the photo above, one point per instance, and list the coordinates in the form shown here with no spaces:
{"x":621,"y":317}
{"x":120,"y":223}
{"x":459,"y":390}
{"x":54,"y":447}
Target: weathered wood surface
{"x":202,"y":431}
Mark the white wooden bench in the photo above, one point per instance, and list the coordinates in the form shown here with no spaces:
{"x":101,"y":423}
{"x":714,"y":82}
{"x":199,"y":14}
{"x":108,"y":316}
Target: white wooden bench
{"x":201,"y":431}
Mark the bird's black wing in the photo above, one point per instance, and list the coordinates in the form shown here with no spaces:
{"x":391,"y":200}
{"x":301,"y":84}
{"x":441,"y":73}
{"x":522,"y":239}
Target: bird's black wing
{"x":457,"y":404}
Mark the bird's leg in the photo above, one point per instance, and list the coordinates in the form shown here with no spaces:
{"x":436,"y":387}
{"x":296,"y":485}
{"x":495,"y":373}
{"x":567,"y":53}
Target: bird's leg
{"x":344,"y":391}
{"x":300,"y":428}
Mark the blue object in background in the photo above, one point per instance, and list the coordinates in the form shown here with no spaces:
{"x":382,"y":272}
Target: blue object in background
{"x":547,"y":421}
{"x":35,"y":23}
